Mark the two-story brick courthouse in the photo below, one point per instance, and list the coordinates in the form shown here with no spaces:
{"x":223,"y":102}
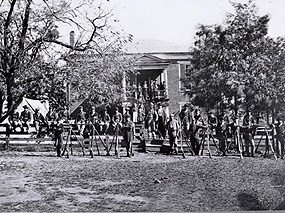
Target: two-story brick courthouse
{"x":166,"y":69}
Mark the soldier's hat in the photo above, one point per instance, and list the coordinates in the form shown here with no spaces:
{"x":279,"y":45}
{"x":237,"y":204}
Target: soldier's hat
{"x":127,"y":116}
{"x":37,"y":109}
{"x":25,"y":107}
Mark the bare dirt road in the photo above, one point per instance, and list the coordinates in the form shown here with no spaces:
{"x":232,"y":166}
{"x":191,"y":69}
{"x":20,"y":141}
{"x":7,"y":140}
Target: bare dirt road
{"x":38,"y":181}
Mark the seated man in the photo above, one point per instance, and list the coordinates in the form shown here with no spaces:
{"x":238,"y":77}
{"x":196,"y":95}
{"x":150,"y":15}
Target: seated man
{"x":39,"y":122}
{"x":25,"y":118}
{"x":14,"y":120}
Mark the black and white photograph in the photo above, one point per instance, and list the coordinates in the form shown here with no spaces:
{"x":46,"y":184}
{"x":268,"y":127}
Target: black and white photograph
{"x":142,"y":105}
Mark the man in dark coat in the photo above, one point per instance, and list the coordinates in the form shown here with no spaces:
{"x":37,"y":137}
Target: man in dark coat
{"x":128,"y":134}
{"x":173,"y":128}
{"x":186,"y":119}
{"x":248,"y":123}
{"x":14,"y":120}
{"x":105,"y":122}
{"x":39,"y":122}
{"x":26,"y":118}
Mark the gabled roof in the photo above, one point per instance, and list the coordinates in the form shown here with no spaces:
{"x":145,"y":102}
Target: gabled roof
{"x":149,"y":59}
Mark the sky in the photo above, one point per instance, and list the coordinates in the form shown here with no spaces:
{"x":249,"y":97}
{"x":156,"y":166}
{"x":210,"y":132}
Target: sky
{"x":176,"y":20}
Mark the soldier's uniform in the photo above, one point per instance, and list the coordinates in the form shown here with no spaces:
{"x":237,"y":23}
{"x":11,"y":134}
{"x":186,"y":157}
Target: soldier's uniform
{"x":141,"y":113}
{"x":58,"y":137}
{"x":221,"y":132}
{"x":105,"y":122}
{"x":161,"y":121}
{"x":39,"y":122}
{"x":151,"y":119}
{"x":14,"y":120}
{"x":25,"y":118}
{"x":94,"y":120}
{"x":173,"y":127}
{"x":248,"y":122}
{"x":128,"y":135}
{"x":186,"y":119}
{"x":50,"y":119}
{"x":117,"y":118}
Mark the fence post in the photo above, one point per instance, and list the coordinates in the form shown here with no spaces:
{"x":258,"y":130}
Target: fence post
{"x":7,"y":139}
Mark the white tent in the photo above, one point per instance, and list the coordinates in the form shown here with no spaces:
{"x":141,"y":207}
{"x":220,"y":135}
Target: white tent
{"x":43,"y":107}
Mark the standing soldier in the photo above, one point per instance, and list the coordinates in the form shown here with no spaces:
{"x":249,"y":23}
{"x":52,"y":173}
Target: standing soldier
{"x":248,"y":122}
{"x":25,"y":118}
{"x":221,"y":132}
{"x":140,"y":92}
{"x":58,"y":137}
{"x":173,"y":127}
{"x":94,"y":118}
{"x":280,"y":135}
{"x":81,"y":119}
{"x":161,"y":121}
{"x":196,"y":123}
{"x":212,"y":122}
{"x":151,"y":120}
{"x":128,"y":135}
{"x":145,"y":91}
{"x":117,"y":118}
{"x":135,"y":113}
{"x":186,"y":119}
{"x":105,"y":122}
{"x":141,"y":113}
{"x":50,"y":120}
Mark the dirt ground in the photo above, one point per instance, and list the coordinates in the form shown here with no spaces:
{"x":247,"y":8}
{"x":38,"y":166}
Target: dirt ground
{"x":39,"y":181}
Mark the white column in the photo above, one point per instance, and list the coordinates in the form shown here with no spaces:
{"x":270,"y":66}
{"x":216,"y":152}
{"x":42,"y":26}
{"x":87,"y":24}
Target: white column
{"x":166,"y":82}
{"x":124,"y":86}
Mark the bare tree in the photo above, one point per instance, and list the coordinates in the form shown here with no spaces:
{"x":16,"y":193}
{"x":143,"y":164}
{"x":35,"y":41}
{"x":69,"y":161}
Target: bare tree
{"x":30,"y":30}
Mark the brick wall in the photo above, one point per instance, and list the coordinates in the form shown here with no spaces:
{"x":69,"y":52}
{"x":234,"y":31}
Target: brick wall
{"x":174,"y":94}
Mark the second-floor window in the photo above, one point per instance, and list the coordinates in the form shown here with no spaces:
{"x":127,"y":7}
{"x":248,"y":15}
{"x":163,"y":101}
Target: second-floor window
{"x":183,"y":68}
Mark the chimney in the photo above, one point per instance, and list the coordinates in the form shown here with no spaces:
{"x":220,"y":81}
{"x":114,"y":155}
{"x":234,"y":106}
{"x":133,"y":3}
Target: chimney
{"x":71,"y":37}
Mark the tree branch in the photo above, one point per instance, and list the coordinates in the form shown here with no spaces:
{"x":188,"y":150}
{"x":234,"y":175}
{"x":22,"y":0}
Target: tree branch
{"x":24,"y":27}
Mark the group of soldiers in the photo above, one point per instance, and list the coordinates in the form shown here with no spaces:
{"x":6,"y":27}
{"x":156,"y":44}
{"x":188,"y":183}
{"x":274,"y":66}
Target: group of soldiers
{"x":21,"y":121}
{"x":187,"y":124}
{"x":221,"y":127}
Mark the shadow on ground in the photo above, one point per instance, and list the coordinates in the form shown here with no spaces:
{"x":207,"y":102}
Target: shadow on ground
{"x":249,"y":201}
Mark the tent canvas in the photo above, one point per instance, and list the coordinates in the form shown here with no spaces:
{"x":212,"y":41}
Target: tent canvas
{"x":32,"y":104}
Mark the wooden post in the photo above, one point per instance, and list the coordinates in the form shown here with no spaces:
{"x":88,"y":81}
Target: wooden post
{"x":7,"y":138}
{"x":117,"y":143}
{"x":208,"y":143}
{"x":181,"y":144}
{"x":239,"y":142}
{"x":271,"y":147}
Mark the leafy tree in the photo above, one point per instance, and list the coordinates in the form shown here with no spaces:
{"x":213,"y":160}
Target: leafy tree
{"x":233,"y":60}
{"x":97,"y":76}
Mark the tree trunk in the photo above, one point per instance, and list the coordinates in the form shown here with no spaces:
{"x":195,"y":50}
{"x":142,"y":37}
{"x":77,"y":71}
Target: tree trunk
{"x":9,"y":93}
